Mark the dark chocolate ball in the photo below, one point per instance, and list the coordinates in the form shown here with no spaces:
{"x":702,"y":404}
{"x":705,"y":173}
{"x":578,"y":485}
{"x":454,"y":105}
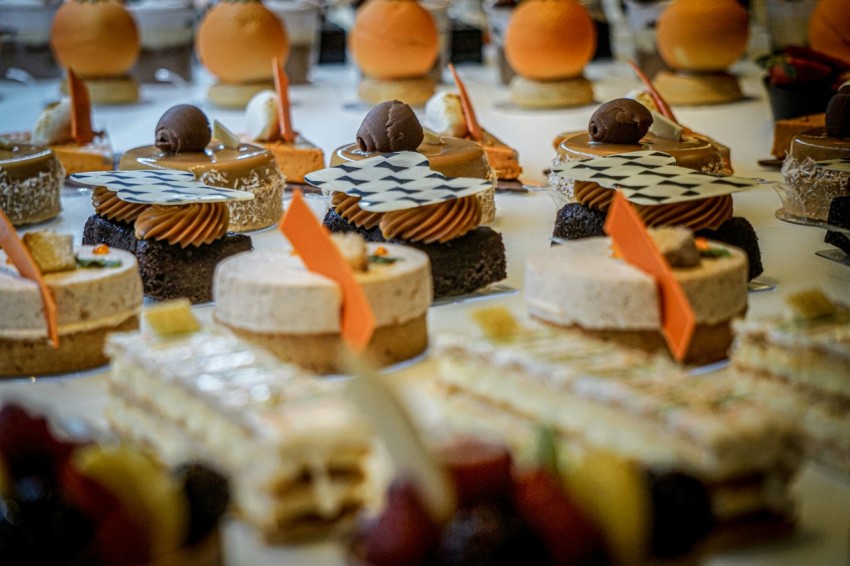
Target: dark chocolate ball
{"x":182,"y":129}
{"x":619,"y":121}
{"x":838,"y":114}
{"x":388,"y":127}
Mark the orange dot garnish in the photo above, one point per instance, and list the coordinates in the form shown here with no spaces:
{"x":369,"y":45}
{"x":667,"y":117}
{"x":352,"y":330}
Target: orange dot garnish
{"x":381,"y":251}
{"x":100,"y":249}
{"x":701,"y":243}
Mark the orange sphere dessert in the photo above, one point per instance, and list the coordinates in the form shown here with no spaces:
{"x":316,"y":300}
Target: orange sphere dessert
{"x":829,"y":29}
{"x":237,"y":40}
{"x":394,"y":39}
{"x":550,"y":39}
{"x":695,"y":35}
{"x":97,"y":38}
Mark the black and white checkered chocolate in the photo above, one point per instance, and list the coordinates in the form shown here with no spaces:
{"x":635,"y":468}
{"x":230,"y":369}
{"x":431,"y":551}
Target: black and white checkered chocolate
{"x":652,"y":178}
{"x":839,"y":165}
{"x":159,"y":186}
{"x":394,"y":181}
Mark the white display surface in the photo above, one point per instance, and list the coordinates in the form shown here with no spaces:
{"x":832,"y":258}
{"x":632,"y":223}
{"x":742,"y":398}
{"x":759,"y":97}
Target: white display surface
{"x":327,"y":113}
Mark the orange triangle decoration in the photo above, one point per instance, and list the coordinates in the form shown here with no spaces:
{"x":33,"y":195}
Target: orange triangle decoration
{"x":81,"y":129}
{"x":318,"y":252}
{"x":659,"y":101}
{"x":637,"y":248}
{"x":468,"y":111}
{"x":28,"y":268}
{"x":284,"y":109}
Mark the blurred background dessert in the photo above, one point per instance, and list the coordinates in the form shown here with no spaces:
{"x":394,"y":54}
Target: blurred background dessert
{"x":25,"y":37}
{"x":166,"y":28}
{"x":301,"y":20}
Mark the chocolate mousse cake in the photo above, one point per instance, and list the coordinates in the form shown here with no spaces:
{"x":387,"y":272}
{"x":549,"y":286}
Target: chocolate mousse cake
{"x":30,"y":180}
{"x":464,"y":255}
{"x":622,"y":126}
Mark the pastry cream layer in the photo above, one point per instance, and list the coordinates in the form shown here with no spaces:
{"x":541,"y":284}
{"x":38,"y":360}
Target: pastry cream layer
{"x":579,"y":282}
{"x":30,"y":179}
{"x":248,"y":168}
{"x":86,"y":298}
{"x":270,"y":291}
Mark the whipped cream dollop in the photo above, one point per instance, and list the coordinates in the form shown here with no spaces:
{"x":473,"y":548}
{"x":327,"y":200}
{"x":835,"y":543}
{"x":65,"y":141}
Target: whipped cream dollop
{"x":261,"y":117}
{"x":54,"y":124}
{"x":444,"y":115}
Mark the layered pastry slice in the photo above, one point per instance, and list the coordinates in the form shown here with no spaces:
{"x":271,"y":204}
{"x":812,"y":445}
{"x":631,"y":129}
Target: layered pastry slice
{"x":800,"y":365}
{"x":268,"y":117}
{"x":295,"y":451}
{"x":595,"y":395}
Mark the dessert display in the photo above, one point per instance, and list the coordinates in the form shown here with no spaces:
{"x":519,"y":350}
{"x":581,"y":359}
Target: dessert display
{"x":401,"y":198}
{"x":68,"y":500}
{"x":301,"y":18}
{"x":183,"y":143}
{"x":799,"y":365}
{"x":605,"y":156}
{"x":812,"y":185}
{"x":839,"y":216}
{"x":450,"y":114}
{"x":100,"y":41}
{"x":580,"y":283}
{"x":25,"y":43}
{"x":394,"y":44}
{"x":828,"y":29}
{"x":643,"y":409}
{"x":235,"y":41}
{"x":699,"y":41}
{"x":549,"y":69}
{"x":392,"y":126}
{"x":166,"y":34}
{"x":30,"y":180}
{"x":83,"y":293}
{"x":270,"y":298}
{"x":176,"y":228}
{"x":301,"y":464}
{"x":268,"y":118}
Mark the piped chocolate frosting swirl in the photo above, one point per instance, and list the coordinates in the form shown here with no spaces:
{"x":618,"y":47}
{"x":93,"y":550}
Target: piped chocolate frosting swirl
{"x":621,"y":120}
{"x":388,"y":127}
{"x":183,"y":129}
{"x":348,"y":207}
{"x":439,"y":222}
{"x":107,"y":204}
{"x":192,"y":224}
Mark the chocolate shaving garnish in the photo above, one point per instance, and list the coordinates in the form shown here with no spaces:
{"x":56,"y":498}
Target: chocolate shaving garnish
{"x":389,"y":127}
{"x":183,"y":129}
{"x":619,"y":121}
{"x":838,"y":114}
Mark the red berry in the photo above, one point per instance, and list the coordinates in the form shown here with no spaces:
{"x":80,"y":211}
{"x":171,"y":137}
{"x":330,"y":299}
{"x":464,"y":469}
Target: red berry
{"x":27,"y":445}
{"x":481,"y":470}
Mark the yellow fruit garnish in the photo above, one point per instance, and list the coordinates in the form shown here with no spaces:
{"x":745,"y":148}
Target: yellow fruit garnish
{"x":100,"y":249}
{"x":173,"y":317}
{"x":496,"y":322}
{"x":811,"y":304}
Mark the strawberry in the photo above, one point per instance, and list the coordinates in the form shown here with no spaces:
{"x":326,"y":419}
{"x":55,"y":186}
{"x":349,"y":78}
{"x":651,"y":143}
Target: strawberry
{"x":793,"y":70}
{"x":481,"y":470}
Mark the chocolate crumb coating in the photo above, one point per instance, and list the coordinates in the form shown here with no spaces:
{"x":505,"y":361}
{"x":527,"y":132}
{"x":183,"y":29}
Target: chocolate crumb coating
{"x":838,"y":114}
{"x":738,"y":232}
{"x":839,"y":215}
{"x":621,"y":120}
{"x":388,"y":127}
{"x":183,"y":129}
{"x":576,"y":221}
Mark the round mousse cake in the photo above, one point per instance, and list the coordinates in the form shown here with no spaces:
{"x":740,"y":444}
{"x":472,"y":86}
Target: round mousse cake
{"x":581,"y":284}
{"x":271,"y":299}
{"x":90,"y":302}
{"x":30,"y":179}
{"x":246,"y":168}
{"x":813,"y":188}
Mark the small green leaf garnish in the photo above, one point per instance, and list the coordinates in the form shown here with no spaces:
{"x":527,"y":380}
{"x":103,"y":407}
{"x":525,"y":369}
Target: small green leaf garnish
{"x":97,"y":262}
{"x":383,"y":259}
{"x":547,"y":450}
{"x":715,"y":252}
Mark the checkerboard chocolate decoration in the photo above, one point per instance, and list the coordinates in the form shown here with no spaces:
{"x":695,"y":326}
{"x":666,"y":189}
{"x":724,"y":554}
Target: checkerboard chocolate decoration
{"x":159,"y":186}
{"x":394,"y":181}
{"x":652,"y":178}
{"x":839,"y":165}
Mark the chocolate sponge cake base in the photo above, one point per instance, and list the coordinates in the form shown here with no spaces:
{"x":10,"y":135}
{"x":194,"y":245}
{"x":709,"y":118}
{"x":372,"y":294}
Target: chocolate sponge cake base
{"x":575,"y":221}
{"x":168,"y":272}
{"x":839,"y":215}
{"x":460,"y":266}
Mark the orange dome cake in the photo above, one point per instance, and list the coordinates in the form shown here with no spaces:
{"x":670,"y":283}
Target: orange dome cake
{"x":829,"y":29}
{"x":395,"y":44}
{"x":236,"y":41}
{"x":548,"y":43}
{"x":699,"y":40}
{"x":99,"y":40}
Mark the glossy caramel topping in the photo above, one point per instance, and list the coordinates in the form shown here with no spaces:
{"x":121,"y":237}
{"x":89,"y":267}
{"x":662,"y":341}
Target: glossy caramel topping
{"x":696,"y":214}
{"x":346,"y":206}
{"x":108,"y":205}
{"x":439,"y":222}
{"x":191,"y":224}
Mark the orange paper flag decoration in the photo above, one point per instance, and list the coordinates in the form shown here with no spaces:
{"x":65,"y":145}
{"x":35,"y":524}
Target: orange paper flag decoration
{"x":320,"y":255}
{"x":637,"y":248}
{"x":468,"y":111}
{"x":284,"y":109}
{"x":81,"y":129}
{"x":27,"y":267}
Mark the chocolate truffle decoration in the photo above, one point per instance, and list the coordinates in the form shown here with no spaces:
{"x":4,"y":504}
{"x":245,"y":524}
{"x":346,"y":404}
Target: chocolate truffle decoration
{"x":388,"y":127}
{"x":838,"y":114}
{"x":619,"y":121}
{"x":183,"y":128}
